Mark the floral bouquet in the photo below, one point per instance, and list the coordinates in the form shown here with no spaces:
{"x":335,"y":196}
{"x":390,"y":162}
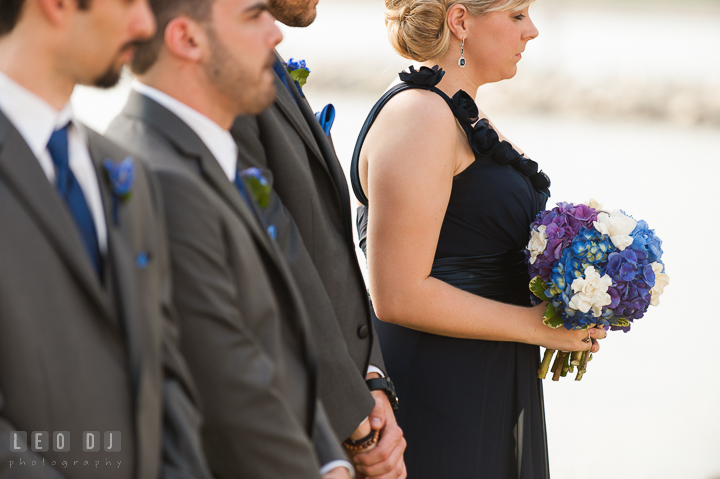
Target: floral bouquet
{"x":593,"y":268}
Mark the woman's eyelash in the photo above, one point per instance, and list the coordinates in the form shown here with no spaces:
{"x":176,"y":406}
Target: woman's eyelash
{"x":519,"y":17}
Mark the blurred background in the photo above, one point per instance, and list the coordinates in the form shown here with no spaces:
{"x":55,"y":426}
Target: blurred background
{"x":617,"y":100}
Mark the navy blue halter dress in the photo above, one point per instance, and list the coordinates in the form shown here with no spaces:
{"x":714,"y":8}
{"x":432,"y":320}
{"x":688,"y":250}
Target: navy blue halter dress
{"x":471,"y":409}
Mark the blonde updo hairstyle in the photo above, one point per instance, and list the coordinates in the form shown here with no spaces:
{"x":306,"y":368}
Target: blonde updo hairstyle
{"x":418,"y":29}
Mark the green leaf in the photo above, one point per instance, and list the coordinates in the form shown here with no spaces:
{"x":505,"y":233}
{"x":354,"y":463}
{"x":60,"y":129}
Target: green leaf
{"x":621,"y":322}
{"x":259,"y":191}
{"x":551,"y":317}
{"x":300,"y":76}
{"x":537,"y":287}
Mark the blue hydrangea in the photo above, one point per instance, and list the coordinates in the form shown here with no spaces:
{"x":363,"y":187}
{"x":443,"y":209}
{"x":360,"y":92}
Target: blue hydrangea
{"x":591,"y":246}
{"x":560,"y":292}
{"x":644,"y":237}
{"x":573,"y":244}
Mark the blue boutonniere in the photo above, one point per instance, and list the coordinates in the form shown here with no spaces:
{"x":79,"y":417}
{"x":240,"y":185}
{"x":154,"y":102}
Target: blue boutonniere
{"x":298,"y":71}
{"x":258,"y":186}
{"x":121,"y":177}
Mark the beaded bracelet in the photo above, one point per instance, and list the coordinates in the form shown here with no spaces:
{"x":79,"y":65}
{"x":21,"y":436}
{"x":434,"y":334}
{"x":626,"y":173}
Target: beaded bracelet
{"x":364,"y":443}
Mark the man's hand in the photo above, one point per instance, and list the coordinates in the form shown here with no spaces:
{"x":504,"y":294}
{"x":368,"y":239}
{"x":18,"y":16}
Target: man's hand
{"x":338,"y":473}
{"x":385,"y":461}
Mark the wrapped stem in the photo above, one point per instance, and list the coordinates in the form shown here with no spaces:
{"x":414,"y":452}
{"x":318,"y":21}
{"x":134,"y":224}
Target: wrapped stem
{"x":576,"y":358}
{"x":583,"y":365}
{"x":566,"y":366}
{"x":545,"y":364}
{"x":558,"y":366}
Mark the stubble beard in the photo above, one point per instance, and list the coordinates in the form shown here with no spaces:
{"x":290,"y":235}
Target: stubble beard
{"x":248,"y":94}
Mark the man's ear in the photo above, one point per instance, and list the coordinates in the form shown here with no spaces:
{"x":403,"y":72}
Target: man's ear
{"x":56,"y":12}
{"x":185,"y":39}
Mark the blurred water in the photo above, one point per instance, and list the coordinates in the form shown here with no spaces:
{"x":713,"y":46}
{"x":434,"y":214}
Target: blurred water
{"x":649,"y":405}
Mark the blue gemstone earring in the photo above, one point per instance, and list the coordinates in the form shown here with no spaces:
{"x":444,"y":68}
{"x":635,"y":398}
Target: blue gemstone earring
{"x":462,"y":62}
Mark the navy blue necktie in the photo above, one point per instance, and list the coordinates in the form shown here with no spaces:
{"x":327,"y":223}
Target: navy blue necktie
{"x":240,"y":185}
{"x":282,"y":73}
{"x":70,"y":191}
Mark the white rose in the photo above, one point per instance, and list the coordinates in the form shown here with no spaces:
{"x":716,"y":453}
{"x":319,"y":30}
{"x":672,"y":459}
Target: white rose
{"x":538,"y":243}
{"x":617,"y":226}
{"x":661,"y":280}
{"x":593,"y":203}
{"x":591,"y":292}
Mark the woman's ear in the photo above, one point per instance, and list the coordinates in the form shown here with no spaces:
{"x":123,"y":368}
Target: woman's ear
{"x":185,"y":38}
{"x":457,"y":20}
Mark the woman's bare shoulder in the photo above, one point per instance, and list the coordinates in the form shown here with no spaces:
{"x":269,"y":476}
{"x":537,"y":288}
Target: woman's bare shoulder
{"x":414,"y":118}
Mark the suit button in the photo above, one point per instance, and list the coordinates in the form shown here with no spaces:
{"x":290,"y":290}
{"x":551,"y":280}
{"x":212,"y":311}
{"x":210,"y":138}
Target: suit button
{"x":363,"y":331}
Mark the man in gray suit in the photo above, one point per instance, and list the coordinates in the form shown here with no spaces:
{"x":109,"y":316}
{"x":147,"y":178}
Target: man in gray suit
{"x":311,"y":214}
{"x":91,"y":380}
{"x":243,"y":326}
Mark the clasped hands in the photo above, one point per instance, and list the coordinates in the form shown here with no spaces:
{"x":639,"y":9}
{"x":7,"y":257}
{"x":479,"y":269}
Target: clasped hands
{"x":385,"y":459}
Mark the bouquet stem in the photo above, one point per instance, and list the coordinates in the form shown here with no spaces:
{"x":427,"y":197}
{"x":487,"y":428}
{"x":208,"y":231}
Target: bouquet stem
{"x":583,"y":365}
{"x":576,"y":358}
{"x":559,"y":364}
{"x":545,"y":364}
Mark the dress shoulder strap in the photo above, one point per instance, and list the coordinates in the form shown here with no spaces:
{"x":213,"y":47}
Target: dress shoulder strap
{"x":425,"y":79}
{"x":483,"y":139}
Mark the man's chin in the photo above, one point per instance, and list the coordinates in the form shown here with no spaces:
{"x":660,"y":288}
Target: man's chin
{"x":260,"y":102}
{"x":109,"y":79}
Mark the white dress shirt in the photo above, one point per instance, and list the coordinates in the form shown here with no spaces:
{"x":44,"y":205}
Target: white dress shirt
{"x":36,"y":121}
{"x":223,"y":147}
{"x":217,"y":139}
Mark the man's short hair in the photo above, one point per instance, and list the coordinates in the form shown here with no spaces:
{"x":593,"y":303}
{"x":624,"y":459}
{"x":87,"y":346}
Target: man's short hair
{"x":10,"y":11}
{"x":165,"y":11}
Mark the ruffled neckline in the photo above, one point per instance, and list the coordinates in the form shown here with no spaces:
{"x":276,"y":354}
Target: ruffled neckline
{"x":483,"y":139}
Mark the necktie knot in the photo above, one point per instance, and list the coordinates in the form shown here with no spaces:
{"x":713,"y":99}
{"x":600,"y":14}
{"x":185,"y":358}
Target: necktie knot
{"x":58,"y":146}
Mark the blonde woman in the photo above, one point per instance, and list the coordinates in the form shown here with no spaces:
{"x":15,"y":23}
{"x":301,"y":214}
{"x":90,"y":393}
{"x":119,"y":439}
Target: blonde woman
{"x":451,"y":204}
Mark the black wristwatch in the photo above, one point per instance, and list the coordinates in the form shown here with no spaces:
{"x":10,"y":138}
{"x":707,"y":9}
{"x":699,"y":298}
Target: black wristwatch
{"x":384,"y":384}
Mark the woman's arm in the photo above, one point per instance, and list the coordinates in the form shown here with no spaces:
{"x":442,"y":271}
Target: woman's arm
{"x":410,"y":157}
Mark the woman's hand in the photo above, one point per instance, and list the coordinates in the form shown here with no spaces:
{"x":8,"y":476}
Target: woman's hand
{"x":561,"y":339}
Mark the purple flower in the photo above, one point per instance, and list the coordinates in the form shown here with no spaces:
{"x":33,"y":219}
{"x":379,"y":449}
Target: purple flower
{"x":562,"y":224}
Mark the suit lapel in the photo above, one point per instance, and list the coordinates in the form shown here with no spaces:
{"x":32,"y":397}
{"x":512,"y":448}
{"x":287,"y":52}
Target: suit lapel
{"x":184,"y":139}
{"x":287,"y":106}
{"x":27,"y":179}
{"x":328,"y":160}
{"x":120,"y":259}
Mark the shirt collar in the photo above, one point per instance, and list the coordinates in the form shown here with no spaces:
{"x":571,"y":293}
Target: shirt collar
{"x":217,"y":139}
{"x":32,"y":116}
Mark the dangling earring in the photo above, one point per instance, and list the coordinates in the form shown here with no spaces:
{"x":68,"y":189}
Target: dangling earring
{"x":462,"y":61}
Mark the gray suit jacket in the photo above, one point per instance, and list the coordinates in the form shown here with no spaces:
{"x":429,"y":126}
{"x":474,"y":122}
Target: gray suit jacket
{"x":313,"y":219}
{"x":243,"y":325}
{"x":76,"y":356}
